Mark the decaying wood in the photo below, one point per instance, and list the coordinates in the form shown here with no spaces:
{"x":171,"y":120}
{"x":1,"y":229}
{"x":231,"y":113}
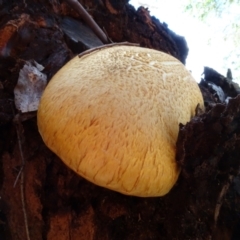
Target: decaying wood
{"x":51,"y":202}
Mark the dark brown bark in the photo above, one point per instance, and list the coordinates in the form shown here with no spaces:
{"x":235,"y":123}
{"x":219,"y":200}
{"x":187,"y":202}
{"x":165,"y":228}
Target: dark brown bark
{"x":52,"y":202}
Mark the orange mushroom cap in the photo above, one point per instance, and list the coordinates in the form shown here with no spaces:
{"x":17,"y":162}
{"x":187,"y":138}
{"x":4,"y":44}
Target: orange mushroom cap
{"x":113,"y":117}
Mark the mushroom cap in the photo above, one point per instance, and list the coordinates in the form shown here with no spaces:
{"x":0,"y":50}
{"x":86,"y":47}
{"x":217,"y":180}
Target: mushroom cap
{"x":113,"y":117}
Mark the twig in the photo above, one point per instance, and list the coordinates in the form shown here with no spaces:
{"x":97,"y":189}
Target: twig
{"x":24,"y":206}
{"x":17,"y":121}
{"x":18,"y":176}
{"x":107,"y":46}
{"x":220,"y":200}
{"x":105,"y":31}
{"x":19,"y":130}
{"x":89,"y":20}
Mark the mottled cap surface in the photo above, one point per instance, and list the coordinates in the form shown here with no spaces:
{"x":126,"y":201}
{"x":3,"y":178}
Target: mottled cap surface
{"x":113,"y":117}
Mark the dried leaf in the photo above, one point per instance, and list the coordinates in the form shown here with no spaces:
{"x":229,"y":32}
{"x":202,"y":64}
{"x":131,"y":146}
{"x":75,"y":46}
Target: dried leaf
{"x":29,"y":88}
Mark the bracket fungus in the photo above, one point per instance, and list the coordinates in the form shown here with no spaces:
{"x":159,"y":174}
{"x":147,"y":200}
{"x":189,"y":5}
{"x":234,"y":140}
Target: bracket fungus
{"x":113,"y":114}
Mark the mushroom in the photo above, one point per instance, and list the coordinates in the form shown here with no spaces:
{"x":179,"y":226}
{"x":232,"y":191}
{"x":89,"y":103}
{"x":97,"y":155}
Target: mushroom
{"x":113,"y":114}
